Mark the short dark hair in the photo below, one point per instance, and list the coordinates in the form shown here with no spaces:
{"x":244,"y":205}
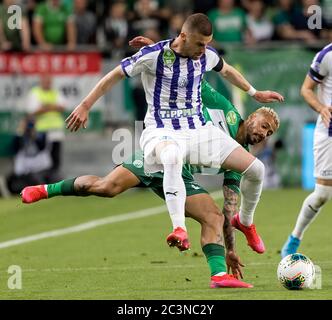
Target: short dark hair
{"x":200,"y":23}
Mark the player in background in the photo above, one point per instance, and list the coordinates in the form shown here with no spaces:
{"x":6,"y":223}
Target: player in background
{"x":199,"y":205}
{"x":320,"y":76}
{"x":176,"y":132}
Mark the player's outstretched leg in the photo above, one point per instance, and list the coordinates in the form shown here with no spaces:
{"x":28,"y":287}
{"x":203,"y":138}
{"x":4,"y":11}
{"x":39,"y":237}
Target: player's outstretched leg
{"x":32,"y":194}
{"x":309,"y":211}
{"x":117,"y":181}
{"x":203,"y":209}
{"x":175,"y":194}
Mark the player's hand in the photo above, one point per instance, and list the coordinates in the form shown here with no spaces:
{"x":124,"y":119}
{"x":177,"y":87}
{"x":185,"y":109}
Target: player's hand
{"x":78,"y":118}
{"x":234,"y":264}
{"x":326,"y":114}
{"x":268,"y":96}
{"x":139,"y":42}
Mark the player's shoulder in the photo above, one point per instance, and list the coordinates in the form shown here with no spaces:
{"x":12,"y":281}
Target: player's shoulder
{"x":322,"y":64}
{"x":150,"y":51}
{"x":155,"y":47}
{"x":211,"y":50}
{"x":213,"y":58}
{"x":324,"y":54}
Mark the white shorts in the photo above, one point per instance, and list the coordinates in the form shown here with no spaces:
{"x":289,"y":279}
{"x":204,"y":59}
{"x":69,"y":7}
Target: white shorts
{"x":208,"y":146}
{"x":322,"y":152}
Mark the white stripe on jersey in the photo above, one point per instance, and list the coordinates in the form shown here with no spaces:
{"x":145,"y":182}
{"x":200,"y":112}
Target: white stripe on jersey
{"x":172,"y":84}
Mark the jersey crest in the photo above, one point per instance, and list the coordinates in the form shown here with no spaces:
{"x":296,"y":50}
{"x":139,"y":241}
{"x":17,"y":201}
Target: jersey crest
{"x":231,"y":118}
{"x":168,"y":58}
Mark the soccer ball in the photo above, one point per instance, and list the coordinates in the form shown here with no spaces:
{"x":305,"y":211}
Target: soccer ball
{"x":296,"y":271}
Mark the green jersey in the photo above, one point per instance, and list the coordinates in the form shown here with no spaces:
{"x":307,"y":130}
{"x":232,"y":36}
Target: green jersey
{"x":54,"y":22}
{"x":228,"y":27}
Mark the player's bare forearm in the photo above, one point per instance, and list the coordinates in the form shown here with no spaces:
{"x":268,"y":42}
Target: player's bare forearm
{"x":309,"y":95}
{"x":311,"y":98}
{"x":234,"y":77}
{"x":229,"y":210}
{"x":104,"y":85}
{"x":237,"y":79}
{"x":230,"y":207}
{"x":79,"y":117}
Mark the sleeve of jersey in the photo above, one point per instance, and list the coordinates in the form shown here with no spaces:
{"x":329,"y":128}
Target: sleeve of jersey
{"x":232,"y":180}
{"x":213,"y":60}
{"x":136,"y":64}
{"x":319,"y":67}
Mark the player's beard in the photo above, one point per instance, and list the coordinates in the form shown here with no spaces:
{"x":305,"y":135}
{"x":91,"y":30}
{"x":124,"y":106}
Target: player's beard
{"x":254,"y":137}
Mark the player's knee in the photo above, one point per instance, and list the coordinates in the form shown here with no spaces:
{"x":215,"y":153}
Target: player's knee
{"x":322,"y":194}
{"x":171,"y":155}
{"x":256,"y":171}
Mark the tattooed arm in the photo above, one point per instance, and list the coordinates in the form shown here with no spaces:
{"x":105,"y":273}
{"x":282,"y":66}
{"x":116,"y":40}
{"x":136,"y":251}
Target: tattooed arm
{"x":230,"y":208}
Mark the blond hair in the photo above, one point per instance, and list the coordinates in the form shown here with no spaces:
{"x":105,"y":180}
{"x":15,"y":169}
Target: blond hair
{"x":271,"y":112}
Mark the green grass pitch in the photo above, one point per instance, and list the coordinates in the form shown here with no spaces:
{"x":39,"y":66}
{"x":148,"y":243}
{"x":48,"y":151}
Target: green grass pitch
{"x":131,"y":260}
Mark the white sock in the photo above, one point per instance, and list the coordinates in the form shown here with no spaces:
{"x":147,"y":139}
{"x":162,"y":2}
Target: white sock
{"x":310,"y":209}
{"x":174,"y":187}
{"x":251,"y":189}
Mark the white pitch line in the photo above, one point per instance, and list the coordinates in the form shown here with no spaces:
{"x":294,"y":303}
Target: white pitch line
{"x":84,"y":226}
{"x":122,"y":268}
{"x":150,"y":266}
{"x":89,"y":225}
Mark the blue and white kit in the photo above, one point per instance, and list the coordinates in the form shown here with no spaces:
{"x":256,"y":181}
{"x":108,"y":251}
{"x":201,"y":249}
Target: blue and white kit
{"x":172,"y":85}
{"x":321,"y":72}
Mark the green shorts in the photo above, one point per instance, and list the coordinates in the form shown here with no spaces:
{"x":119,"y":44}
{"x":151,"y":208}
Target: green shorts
{"x":154,"y":181}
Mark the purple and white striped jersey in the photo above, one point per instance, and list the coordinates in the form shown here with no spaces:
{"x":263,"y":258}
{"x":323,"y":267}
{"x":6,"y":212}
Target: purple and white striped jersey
{"x":172,"y":84}
{"x":321,"y":72}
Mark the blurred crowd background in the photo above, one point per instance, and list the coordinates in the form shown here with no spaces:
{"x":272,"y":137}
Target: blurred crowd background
{"x":63,"y":47}
{"x":109,"y":24}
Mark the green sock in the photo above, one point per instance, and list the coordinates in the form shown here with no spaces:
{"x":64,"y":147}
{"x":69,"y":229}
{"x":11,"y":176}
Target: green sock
{"x":61,"y":188}
{"x":215,"y":256}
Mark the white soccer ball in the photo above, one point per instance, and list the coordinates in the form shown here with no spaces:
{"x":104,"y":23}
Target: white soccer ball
{"x":296,"y":271}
